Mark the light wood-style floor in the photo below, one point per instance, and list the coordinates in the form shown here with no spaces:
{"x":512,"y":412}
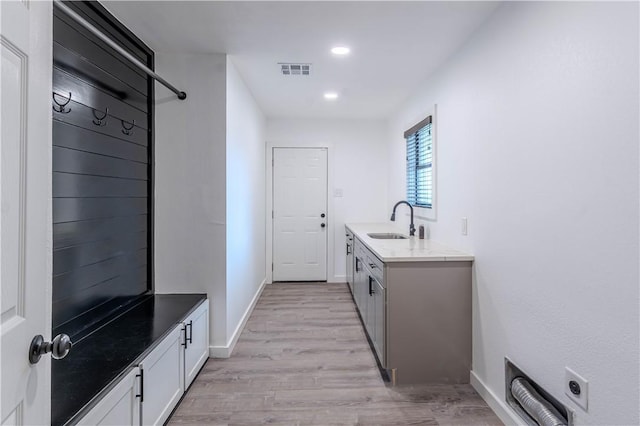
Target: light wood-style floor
{"x":303,"y":358}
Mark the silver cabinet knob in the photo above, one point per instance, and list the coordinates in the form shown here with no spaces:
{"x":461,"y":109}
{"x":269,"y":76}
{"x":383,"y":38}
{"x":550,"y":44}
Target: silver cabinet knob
{"x":59,"y":347}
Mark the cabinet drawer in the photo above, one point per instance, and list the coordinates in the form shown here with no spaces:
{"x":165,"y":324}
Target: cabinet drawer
{"x":358,"y":248}
{"x":375,"y":266}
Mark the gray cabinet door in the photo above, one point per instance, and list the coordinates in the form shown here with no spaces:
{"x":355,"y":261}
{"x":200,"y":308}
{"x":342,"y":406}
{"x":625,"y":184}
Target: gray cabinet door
{"x":379,"y":327}
{"x":369,"y":319}
{"x":360,"y":287}
{"x":350,"y":259}
{"x":357,"y":266}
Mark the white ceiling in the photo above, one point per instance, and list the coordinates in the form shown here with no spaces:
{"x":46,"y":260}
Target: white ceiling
{"x":394,"y":46}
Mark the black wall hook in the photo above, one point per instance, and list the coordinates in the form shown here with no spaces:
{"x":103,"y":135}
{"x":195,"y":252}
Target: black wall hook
{"x":127,"y":130}
{"x":98,"y":120}
{"x":61,"y":106}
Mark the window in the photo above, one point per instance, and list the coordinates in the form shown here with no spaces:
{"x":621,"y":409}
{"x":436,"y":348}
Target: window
{"x":420,"y":159}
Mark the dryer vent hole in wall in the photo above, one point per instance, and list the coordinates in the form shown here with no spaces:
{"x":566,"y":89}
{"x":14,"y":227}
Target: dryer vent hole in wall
{"x":532,"y":403}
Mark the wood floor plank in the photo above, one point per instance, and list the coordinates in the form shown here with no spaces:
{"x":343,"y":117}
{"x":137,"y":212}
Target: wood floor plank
{"x":303,"y":359}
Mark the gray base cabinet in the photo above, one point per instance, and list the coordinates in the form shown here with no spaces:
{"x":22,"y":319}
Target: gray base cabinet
{"x":417,"y":316}
{"x":429,"y":322}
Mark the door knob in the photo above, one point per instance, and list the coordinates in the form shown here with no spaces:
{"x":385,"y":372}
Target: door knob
{"x":59,"y":347}
{"x":322,"y":225}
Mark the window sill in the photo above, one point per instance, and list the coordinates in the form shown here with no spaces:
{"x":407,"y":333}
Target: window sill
{"x":425,"y":213}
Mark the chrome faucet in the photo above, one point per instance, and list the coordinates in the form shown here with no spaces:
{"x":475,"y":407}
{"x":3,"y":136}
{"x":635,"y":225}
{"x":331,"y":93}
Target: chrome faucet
{"x":412,"y":229}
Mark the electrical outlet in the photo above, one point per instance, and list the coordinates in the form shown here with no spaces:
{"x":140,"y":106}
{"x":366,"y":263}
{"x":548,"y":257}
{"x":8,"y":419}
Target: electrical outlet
{"x":463,"y":226}
{"x":576,"y":388}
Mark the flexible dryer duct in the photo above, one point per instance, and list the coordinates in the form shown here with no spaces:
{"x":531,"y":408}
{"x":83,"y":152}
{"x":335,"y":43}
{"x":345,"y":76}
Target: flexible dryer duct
{"x":540,"y":410}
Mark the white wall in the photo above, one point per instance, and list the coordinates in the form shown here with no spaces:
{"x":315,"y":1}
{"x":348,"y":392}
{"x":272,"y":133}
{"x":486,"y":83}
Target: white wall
{"x":190,"y":182}
{"x":245,"y":200}
{"x":538,"y":147}
{"x":209,"y":190}
{"x":357,"y":166}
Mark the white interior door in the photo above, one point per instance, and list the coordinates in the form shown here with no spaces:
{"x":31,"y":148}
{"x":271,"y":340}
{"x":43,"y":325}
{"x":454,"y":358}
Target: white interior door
{"x":25,"y":206}
{"x":300,"y":214}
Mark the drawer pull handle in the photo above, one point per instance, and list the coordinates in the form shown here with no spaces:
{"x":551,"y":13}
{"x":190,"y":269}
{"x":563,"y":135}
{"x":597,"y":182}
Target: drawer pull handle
{"x":141,"y":394}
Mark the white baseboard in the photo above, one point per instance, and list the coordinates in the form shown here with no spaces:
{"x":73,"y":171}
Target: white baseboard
{"x":502,"y":410}
{"x":226,"y":351}
{"x":219,"y":352}
{"x":335,"y":280}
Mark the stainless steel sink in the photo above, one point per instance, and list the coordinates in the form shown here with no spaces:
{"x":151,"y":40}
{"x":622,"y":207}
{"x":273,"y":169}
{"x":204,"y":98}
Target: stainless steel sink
{"x":387,"y":236}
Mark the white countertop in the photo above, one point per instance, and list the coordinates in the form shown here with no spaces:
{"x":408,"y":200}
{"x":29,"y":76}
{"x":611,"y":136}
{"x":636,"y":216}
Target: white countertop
{"x":412,"y":249}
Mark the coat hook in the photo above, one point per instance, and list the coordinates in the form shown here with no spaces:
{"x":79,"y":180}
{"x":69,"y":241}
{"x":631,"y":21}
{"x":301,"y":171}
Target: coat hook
{"x":61,"y":106}
{"x":98,"y":120}
{"x":127,"y":130}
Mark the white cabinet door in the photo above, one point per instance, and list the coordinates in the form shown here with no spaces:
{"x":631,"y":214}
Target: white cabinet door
{"x":163,"y":379}
{"x":196,"y":352}
{"x":121,"y":406}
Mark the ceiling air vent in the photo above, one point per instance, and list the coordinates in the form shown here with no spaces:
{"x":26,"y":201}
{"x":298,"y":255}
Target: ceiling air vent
{"x":295,"y":69}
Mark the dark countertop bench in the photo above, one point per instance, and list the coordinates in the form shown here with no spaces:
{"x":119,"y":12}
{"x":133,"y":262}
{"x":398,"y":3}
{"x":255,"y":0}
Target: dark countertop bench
{"x":97,"y":362}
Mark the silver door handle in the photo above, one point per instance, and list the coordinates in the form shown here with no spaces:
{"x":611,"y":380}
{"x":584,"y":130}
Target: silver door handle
{"x":59,"y":347}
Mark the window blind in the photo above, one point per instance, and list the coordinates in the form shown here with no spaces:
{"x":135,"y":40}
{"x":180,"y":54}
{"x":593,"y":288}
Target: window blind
{"x":420,"y":164}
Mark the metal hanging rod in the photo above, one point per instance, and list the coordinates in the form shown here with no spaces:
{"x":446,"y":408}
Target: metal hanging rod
{"x":80,"y":20}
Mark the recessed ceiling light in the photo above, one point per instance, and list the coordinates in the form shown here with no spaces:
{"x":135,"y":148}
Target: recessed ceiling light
{"x":340,"y":50}
{"x":331,"y":96}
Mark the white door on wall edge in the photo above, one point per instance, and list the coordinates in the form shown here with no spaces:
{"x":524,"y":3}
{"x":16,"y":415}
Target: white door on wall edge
{"x":300,"y":218}
{"x":25,"y":208}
